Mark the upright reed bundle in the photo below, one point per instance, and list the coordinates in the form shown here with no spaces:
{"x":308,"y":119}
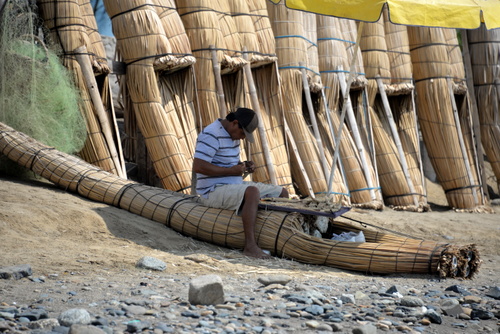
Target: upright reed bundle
{"x":177,"y":86}
{"x":279,"y":232}
{"x":334,"y":60}
{"x":96,"y":47}
{"x":291,"y":48}
{"x":456,"y":171}
{"x":233,"y":60}
{"x":203,"y":29}
{"x":485,"y":57}
{"x":311,"y":35}
{"x":69,"y":29}
{"x":142,"y":43}
{"x":393,"y":123}
{"x":263,"y":29}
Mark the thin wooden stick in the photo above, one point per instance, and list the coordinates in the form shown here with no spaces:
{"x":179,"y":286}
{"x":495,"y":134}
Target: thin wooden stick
{"x":461,"y":140}
{"x":397,"y":140}
{"x":84,"y":61}
{"x":312,"y":115}
{"x":355,"y":134}
{"x":476,"y":124}
{"x":344,"y":106}
{"x":256,"y":107}
{"x":295,"y":151}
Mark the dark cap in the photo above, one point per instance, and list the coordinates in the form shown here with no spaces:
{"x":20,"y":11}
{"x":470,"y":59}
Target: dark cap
{"x":248,"y":120}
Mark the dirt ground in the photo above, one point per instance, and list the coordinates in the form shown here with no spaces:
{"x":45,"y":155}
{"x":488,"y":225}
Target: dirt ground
{"x":55,"y":232}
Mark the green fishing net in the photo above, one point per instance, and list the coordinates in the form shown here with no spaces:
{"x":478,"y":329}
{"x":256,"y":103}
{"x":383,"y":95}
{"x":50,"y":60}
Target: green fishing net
{"x":37,"y":95}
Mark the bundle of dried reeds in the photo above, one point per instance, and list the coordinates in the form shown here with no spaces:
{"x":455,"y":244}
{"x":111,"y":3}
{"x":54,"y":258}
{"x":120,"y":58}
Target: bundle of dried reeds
{"x":398,"y":170}
{"x":96,"y":47}
{"x":68,"y":29}
{"x":203,"y":30}
{"x":279,"y":232}
{"x":262,"y":24}
{"x":450,"y":150}
{"x":244,"y":21}
{"x":398,"y":51}
{"x":291,"y":48}
{"x":333,"y":59}
{"x":177,"y":85}
{"x":141,"y":42}
{"x":484,"y":53}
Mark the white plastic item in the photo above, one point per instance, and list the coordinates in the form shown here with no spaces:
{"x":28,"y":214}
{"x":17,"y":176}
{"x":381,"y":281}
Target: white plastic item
{"x":349,"y":236}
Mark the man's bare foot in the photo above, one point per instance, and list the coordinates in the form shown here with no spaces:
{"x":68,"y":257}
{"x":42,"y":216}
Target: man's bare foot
{"x":256,"y":252}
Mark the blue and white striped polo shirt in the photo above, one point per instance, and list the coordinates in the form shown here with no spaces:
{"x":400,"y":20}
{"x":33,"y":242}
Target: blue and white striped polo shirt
{"x":215,"y":145}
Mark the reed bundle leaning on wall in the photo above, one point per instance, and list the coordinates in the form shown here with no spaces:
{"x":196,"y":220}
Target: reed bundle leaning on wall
{"x":485,"y":57}
{"x":398,"y":176}
{"x":176,"y":82}
{"x":334,"y":59}
{"x":203,"y":30}
{"x":67,"y":29}
{"x":402,"y":101}
{"x":291,"y":49}
{"x":431,"y":67}
{"x":268,"y":87}
{"x":142,"y":43}
{"x":279,"y":232}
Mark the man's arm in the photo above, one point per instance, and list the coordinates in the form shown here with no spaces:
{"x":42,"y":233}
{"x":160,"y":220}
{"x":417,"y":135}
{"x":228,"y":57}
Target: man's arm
{"x":207,"y":168}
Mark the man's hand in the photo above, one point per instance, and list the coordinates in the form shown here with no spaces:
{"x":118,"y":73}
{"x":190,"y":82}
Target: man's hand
{"x":249,"y":166}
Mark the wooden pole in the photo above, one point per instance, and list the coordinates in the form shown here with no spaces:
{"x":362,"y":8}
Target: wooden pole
{"x":295,"y":152}
{"x":461,"y":140}
{"x":312,"y":116}
{"x":83,"y":59}
{"x":476,"y":124}
{"x":256,"y":107}
{"x":350,"y":78}
{"x":397,"y":140}
{"x":356,"y":136}
{"x":218,"y":82}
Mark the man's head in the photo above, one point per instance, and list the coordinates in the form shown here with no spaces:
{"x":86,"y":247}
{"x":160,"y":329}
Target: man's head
{"x":247,"y":121}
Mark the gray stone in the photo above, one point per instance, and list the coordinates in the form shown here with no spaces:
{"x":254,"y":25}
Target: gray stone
{"x":396,"y":289}
{"x":152,"y":263}
{"x":74,"y":316}
{"x":15,"y":272}
{"x":85,"y":329}
{"x":348,"y":298}
{"x":135,"y":309}
{"x":366,"y":329}
{"x":494,"y":292}
{"x":206,"y":290}
{"x":274,"y":279}
{"x":412,"y":301}
{"x":453,"y":311}
{"x":43,"y":324}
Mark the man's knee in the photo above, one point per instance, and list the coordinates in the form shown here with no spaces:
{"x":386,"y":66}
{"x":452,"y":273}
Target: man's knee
{"x":252,"y":192}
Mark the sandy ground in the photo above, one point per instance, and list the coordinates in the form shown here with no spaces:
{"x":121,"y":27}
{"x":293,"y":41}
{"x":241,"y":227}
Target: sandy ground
{"x":55,"y":232}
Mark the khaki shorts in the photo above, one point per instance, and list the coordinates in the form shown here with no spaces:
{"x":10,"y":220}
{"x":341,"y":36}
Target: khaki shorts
{"x":230,"y":196}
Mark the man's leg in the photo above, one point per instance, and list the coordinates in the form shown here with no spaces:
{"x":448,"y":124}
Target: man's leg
{"x":249,"y":216}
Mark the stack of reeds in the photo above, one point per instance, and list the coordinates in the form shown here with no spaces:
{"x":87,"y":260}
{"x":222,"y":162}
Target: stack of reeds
{"x":70,"y":24}
{"x":268,"y":90}
{"x":291,"y":47}
{"x":177,"y":82}
{"x":203,"y":30}
{"x":96,"y":47}
{"x":279,"y":232}
{"x":393,"y":119}
{"x":450,"y":150}
{"x":142,"y":44}
{"x":334,"y":62}
{"x":484,"y":53}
